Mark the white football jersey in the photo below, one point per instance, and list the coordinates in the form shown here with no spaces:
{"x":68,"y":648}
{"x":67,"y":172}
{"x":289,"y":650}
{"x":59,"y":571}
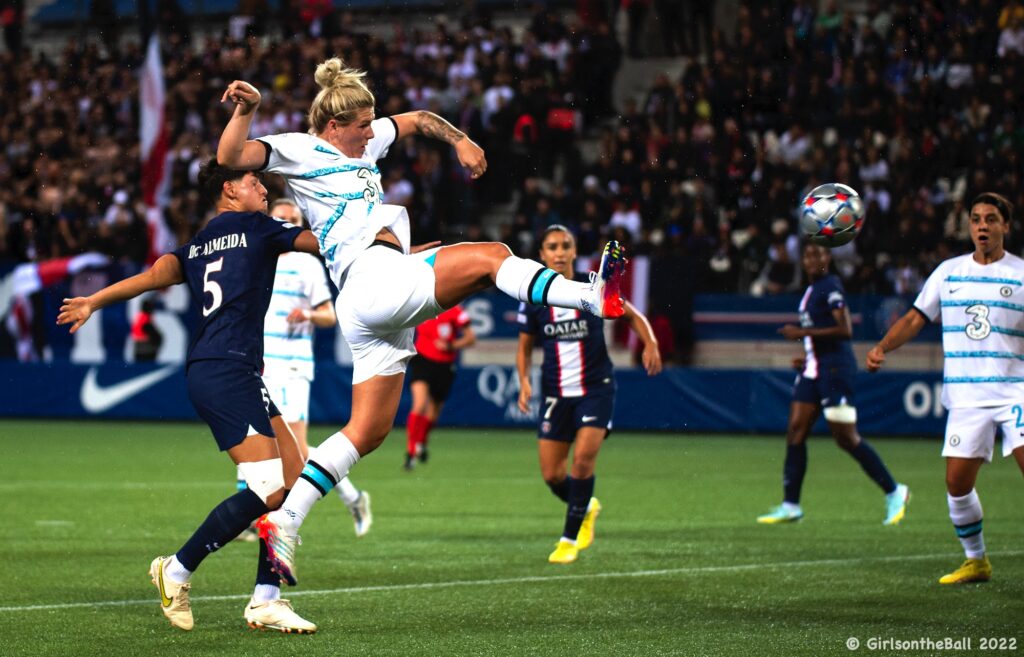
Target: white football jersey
{"x":288,"y":348}
{"x":982,"y":312}
{"x":340,"y":196}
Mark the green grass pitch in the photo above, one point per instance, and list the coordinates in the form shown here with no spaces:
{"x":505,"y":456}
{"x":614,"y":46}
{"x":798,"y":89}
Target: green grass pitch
{"x":456,"y":561}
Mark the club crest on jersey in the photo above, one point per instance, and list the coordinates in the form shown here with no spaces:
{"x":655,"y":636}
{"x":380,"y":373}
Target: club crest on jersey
{"x":232,"y":241}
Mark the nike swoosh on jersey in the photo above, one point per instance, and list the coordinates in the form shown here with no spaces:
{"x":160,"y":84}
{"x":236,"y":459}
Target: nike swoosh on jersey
{"x":589,"y":418}
{"x":97,"y":399}
{"x":954,"y":290}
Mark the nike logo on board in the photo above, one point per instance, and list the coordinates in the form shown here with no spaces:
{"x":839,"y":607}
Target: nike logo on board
{"x":97,"y":399}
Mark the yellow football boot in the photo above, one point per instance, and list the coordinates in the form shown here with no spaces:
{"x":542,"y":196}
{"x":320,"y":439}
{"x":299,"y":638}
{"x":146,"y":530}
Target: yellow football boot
{"x":586,"y":534}
{"x":972,"y":570}
{"x":565,"y":552}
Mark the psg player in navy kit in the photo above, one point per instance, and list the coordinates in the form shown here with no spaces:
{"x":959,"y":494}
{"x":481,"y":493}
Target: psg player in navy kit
{"x":229,"y":267}
{"x":825,"y":385}
{"x":577,"y":393}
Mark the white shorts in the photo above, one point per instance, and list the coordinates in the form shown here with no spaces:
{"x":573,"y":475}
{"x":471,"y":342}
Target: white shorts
{"x":290,"y":395}
{"x":971,"y":432}
{"x":386,"y":294}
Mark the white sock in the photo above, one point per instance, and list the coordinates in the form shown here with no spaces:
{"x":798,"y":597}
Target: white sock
{"x":789,"y":506}
{"x":532,"y":282}
{"x":347,"y":491}
{"x":327,"y":464}
{"x":266,"y":593}
{"x":176,"y":572}
{"x":965,"y":512}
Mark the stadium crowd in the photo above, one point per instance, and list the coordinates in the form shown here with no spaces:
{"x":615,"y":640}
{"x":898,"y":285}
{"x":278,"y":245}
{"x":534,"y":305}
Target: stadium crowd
{"x":913,"y":104}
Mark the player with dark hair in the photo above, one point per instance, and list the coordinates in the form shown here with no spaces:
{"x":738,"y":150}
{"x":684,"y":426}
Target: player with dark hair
{"x":979,"y":299}
{"x":577,"y":393}
{"x":229,"y":266}
{"x":431,"y":375}
{"x":825,"y":385}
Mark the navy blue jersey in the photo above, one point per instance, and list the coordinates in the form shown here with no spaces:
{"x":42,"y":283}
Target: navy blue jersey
{"x":230,"y":266}
{"x":821,"y":298}
{"x":576,"y":359}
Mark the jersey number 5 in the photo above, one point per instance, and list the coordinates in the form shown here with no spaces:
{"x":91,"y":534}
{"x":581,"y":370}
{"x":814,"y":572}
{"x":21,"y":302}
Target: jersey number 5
{"x":211,"y":286}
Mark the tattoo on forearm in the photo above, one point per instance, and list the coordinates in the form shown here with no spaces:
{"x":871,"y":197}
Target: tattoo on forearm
{"x":432,"y":125}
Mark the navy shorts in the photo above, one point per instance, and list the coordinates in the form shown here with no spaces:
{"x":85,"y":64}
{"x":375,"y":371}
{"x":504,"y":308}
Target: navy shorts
{"x":833,"y":387}
{"x":561,"y":417}
{"x":230,"y":397}
{"x":439,"y":377}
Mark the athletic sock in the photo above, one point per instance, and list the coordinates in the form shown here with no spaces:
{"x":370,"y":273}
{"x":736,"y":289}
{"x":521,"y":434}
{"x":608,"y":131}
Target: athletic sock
{"x":327,"y":465}
{"x":561,"y":489}
{"x":872,"y":464}
{"x":268,"y":583}
{"x":413,"y":428}
{"x":225,"y":522}
{"x":176,"y":572}
{"x":534,"y":283}
{"x":793,"y":471}
{"x":425,"y":429}
{"x":966,"y":514}
{"x":580,"y":492}
{"x":348,"y":492}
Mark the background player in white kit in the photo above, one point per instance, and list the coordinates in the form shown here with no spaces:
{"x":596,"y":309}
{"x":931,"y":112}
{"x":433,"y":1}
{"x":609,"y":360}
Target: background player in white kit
{"x":979,"y":298}
{"x":301,"y":299}
{"x":386,"y":288}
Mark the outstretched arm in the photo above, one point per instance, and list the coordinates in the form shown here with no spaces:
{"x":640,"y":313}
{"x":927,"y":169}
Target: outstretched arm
{"x":904,"y":330}
{"x":235,"y":150}
{"x":166,"y":271}
{"x":651,"y":356}
{"x":431,"y":125}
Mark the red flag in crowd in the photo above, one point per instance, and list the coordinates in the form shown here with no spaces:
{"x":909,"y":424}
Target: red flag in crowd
{"x":154,"y":146}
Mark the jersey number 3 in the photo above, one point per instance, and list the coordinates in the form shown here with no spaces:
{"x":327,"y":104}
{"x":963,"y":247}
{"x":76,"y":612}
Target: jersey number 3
{"x":980,"y":328}
{"x":210,"y":286}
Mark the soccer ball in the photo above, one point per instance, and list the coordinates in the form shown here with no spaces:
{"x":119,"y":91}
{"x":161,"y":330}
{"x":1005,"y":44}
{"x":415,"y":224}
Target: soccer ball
{"x":831,"y":215}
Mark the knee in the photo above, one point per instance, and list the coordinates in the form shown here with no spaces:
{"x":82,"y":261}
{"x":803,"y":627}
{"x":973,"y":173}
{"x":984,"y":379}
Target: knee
{"x":957,"y":487}
{"x":795,"y":435}
{"x":552,"y":477}
{"x":583,"y":467}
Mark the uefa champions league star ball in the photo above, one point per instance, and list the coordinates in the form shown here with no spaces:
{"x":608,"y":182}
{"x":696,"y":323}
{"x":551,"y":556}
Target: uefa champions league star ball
{"x":831,"y":215}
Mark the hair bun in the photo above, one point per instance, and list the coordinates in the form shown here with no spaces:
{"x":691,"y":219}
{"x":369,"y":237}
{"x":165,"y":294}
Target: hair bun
{"x":330,"y":73}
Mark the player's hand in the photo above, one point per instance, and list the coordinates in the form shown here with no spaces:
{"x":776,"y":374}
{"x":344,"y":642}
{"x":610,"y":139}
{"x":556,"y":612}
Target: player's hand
{"x":651,"y":359}
{"x":242,"y":94}
{"x":791,"y":332}
{"x":799,"y":363}
{"x":297,"y":316}
{"x":525,"y":393}
{"x":76,"y":312}
{"x":875,"y":359}
{"x":471,"y":156}
{"x":442,"y":345}
{"x":424,"y":247}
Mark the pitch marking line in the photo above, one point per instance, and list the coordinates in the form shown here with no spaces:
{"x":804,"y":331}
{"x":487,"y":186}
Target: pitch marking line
{"x":700,"y":570}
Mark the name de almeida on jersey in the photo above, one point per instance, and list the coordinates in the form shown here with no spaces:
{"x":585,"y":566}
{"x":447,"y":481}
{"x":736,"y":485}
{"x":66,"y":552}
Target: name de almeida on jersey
{"x":218,"y":244}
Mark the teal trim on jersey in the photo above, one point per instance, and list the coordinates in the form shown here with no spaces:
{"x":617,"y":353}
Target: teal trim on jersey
{"x":431,"y":259}
{"x":286,"y":336}
{"x":348,"y":196}
{"x":317,"y":476}
{"x":965,"y":531}
{"x":982,"y":279}
{"x":326,"y":171}
{"x":329,"y":253}
{"x":995,"y":329}
{"x":288,"y":272}
{"x":306,"y":359}
{"x":536,"y":292}
{"x":320,"y":149}
{"x":983,"y":354}
{"x":287,"y":293}
{"x":985,"y":302}
{"x":983,"y":379}
{"x":329,"y":224}
{"x":281,"y":313}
